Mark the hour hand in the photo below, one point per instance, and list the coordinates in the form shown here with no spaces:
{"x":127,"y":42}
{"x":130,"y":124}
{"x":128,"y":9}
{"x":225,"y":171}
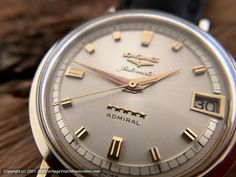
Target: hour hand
{"x":112,"y":77}
{"x":144,"y":82}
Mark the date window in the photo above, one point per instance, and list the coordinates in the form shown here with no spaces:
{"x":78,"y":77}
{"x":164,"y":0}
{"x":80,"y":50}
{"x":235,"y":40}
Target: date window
{"x":210,"y":104}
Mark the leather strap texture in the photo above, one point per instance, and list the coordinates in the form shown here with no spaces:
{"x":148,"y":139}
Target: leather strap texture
{"x":190,"y":10}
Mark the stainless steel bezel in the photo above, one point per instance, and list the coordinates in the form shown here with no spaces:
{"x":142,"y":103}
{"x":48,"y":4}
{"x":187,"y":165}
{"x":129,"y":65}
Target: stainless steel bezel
{"x":46,"y":140}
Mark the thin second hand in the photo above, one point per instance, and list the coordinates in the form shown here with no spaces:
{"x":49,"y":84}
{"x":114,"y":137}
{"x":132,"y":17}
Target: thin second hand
{"x":103,"y":91}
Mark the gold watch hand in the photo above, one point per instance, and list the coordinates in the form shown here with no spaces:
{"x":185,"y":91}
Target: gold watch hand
{"x":112,"y":77}
{"x":135,"y":84}
{"x":144,"y":82}
{"x":98,"y":92}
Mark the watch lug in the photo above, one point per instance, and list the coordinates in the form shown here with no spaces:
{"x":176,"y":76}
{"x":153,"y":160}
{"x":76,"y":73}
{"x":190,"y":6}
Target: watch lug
{"x":43,"y":169}
{"x":111,"y":9}
{"x":204,"y":24}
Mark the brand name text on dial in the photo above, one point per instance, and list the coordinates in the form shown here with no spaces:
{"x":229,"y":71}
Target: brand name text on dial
{"x":123,"y":119}
{"x":140,"y":57}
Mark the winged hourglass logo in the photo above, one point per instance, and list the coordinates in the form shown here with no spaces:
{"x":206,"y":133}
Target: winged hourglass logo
{"x":140,"y":60}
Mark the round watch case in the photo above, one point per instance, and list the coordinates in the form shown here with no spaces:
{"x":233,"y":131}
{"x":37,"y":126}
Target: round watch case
{"x":44,"y":137}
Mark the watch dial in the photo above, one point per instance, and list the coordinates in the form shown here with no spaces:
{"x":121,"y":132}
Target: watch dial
{"x":137,"y":95}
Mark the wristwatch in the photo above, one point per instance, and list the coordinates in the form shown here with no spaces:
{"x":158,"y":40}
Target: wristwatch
{"x":137,"y":93}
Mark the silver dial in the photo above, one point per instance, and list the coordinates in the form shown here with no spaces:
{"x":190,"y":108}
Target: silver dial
{"x":137,"y":93}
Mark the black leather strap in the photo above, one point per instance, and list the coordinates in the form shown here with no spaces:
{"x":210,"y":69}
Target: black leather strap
{"x":188,"y":9}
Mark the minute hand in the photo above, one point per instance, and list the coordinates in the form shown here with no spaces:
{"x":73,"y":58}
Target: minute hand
{"x":112,"y":77}
{"x":144,"y":82}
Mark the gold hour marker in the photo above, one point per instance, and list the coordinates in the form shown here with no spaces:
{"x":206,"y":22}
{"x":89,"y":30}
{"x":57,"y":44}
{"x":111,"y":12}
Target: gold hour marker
{"x":190,"y":134}
{"x":116,"y":35}
{"x":115,"y":147}
{"x":199,"y":69}
{"x":146,"y":38}
{"x":89,"y":48}
{"x":177,"y":46}
{"x":155,"y":154}
{"x":74,"y":72}
{"x":66,"y":103}
{"x":81,"y":133}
